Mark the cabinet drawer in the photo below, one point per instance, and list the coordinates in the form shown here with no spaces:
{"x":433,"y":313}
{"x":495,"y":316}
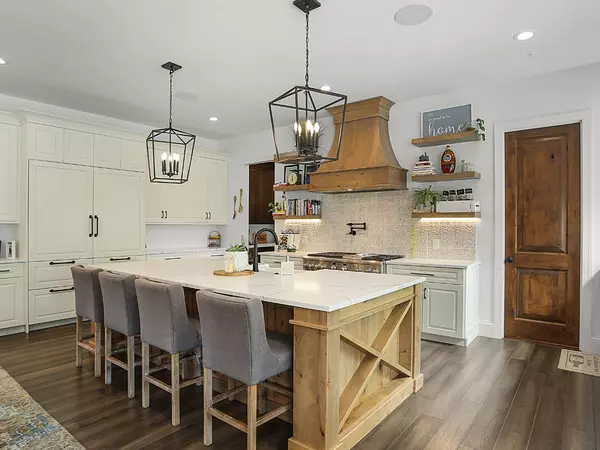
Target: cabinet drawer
{"x":49,"y":274}
{"x":47,"y":305}
{"x":433,"y":274}
{"x":211,"y":255}
{"x":173,"y":256}
{"x":11,"y":270}
{"x":117,"y":259}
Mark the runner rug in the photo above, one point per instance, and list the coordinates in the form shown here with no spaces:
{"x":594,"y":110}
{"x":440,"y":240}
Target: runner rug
{"x":575,"y":361}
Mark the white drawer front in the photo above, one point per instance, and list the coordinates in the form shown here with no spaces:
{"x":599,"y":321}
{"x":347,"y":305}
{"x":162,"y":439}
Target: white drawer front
{"x":49,"y":274}
{"x":117,"y":259}
{"x":173,"y":256}
{"x":433,"y":274}
{"x":11,"y":270}
{"x":273,"y":261}
{"x":211,"y":255}
{"x":47,"y":305}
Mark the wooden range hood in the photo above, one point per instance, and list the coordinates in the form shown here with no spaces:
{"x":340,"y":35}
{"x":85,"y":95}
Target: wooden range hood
{"x":367,"y":161}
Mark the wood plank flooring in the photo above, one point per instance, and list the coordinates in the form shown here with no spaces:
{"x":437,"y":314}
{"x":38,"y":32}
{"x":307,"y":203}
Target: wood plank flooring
{"x":493,"y":395}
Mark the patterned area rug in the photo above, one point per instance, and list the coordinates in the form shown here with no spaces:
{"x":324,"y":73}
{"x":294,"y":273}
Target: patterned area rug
{"x":26,"y":425}
{"x":575,"y":361}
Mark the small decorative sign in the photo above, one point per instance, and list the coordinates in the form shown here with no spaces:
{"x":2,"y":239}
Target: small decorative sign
{"x":446,"y":121}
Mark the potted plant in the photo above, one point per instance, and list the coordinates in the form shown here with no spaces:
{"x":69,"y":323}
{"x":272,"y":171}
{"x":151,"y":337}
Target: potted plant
{"x":277,"y":208}
{"x":236,"y":258}
{"x":425,"y":198}
{"x":478,"y":127}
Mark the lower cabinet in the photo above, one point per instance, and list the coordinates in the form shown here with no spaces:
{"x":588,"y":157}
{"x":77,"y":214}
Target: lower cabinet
{"x":12,"y":302}
{"x":117,"y":259}
{"x":276,"y":260}
{"x":48,"y":305}
{"x":443,"y":310}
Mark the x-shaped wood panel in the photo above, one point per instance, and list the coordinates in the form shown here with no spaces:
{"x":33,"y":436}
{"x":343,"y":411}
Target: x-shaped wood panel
{"x":374,"y":354}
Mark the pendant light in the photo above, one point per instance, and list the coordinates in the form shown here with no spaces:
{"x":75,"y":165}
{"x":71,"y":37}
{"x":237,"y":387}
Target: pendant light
{"x":301,"y":107}
{"x":170,"y":151}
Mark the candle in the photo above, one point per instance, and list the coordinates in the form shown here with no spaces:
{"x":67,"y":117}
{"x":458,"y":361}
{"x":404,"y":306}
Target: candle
{"x":164,"y":163}
{"x":170,"y":159}
{"x":176,"y":158}
{"x":316,"y":140}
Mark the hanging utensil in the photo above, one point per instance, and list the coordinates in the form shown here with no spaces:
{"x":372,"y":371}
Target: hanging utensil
{"x":234,"y":203}
{"x":241,"y":208}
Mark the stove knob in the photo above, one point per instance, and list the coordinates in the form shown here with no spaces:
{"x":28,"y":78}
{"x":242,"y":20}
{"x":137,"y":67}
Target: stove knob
{"x":345,"y":268}
{"x":358,"y":269}
{"x":368,"y":270}
{"x":311,"y":267}
{"x":375,"y":270}
{"x":333,"y":266}
{"x":318,"y":267}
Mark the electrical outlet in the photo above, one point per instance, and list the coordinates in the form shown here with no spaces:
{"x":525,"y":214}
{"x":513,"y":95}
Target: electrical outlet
{"x":435,"y":244}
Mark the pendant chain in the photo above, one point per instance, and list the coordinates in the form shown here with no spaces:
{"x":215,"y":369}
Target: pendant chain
{"x":307,"y":44}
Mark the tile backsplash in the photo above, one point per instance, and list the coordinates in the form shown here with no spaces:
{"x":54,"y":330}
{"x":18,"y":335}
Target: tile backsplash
{"x":390,"y":228}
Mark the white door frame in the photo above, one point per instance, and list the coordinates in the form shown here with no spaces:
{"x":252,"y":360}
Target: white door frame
{"x":586,"y":341}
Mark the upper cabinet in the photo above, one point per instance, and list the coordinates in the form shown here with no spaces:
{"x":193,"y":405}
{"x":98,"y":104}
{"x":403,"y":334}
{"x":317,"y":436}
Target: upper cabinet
{"x":107,"y":152}
{"x":9,"y":188}
{"x":45,"y":142}
{"x":78,"y":148}
{"x":133,"y":156}
{"x":216,"y":190}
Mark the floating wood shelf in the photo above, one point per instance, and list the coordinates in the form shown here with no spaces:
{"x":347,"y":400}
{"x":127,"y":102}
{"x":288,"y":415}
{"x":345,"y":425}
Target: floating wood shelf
{"x":295,"y":187}
{"x":296,"y":217}
{"x":447,"y":177}
{"x":446,"y":215}
{"x":292,"y":158}
{"x":445,"y":139}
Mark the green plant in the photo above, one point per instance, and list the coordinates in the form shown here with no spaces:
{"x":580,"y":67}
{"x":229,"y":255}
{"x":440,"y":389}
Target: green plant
{"x":425,"y":196}
{"x":237,"y":248}
{"x":478,"y":126}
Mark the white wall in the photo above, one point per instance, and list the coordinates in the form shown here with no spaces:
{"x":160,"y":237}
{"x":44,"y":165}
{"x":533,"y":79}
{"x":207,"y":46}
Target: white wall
{"x":555,"y":93}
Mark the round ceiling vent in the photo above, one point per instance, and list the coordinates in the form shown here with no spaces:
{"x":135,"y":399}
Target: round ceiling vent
{"x":411,"y":15}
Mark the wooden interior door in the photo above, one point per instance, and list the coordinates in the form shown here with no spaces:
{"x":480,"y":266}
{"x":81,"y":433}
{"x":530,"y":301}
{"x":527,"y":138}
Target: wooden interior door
{"x":262,"y":177}
{"x":542,"y":280}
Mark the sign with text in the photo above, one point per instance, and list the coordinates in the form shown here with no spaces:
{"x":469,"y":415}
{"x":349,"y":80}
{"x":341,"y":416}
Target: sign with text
{"x":446,"y":121}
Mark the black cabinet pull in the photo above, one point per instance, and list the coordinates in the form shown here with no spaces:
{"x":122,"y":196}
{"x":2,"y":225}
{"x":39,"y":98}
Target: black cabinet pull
{"x":97,"y":225}
{"x":425,"y":293}
{"x":62,"y":290}
{"x":4,"y":270}
{"x":91,"y":226}
{"x":166,"y":214}
{"x":126,"y":258}
{"x":172,"y":258}
{"x":423,"y":274}
{"x":206,"y":217}
{"x":209,"y":216}
{"x":61,"y":263}
{"x":162,"y":214}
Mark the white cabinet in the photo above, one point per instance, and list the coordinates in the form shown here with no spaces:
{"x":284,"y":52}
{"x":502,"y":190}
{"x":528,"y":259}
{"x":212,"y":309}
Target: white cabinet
{"x":48,"y":305}
{"x":12,"y":296}
{"x":173,"y":256}
{"x":450,"y":301}
{"x":78,"y":148}
{"x":166,"y":203}
{"x":9,"y":187}
{"x":133,"y":156}
{"x":276,"y":260}
{"x":118,"y":259}
{"x":197,"y":207}
{"x":61,"y":198}
{"x":118,"y":213}
{"x":216,"y":190}
{"x":107,"y":152}
{"x":44,"y":142}
{"x":57,"y":273}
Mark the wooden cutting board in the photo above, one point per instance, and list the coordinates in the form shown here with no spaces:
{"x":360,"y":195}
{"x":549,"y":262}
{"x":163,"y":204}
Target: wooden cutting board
{"x":222,"y":273}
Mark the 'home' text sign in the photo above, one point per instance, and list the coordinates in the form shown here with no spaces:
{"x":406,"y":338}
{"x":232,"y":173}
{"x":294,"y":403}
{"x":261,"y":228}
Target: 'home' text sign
{"x":446,"y":121}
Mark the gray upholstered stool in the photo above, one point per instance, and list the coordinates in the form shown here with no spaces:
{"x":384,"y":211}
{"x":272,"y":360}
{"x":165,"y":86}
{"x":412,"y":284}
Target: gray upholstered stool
{"x":121,"y":314}
{"x":165,"y":325}
{"x":88,"y":305}
{"x":235,"y":343}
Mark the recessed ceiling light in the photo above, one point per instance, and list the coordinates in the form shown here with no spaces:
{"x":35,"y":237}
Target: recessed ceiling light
{"x":213,"y":119}
{"x":523,"y":36}
{"x":2,"y":61}
{"x":411,"y":15}
{"x":326,"y":88}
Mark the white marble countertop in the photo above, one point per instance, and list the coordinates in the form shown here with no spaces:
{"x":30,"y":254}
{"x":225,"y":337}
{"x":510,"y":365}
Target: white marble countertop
{"x":284,"y":253}
{"x":323,"y":290}
{"x":169,"y":250}
{"x":454,"y":263}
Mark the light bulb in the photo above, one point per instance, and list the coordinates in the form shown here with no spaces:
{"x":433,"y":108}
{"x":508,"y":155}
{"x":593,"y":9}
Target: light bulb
{"x":164,"y":156}
{"x":317,"y":127}
{"x":295,"y":127}
{"x":176,"y":157}
{"x":309,"y":126}
{"x":170,"y":158}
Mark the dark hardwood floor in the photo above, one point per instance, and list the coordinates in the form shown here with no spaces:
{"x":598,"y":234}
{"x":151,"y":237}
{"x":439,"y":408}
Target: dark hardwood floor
{"x":494,"y":394}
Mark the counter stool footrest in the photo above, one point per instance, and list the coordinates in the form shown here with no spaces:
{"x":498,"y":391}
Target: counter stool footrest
{"x":219,"y":398}
{"x":228,"y":419}
{"x":273,"y":414}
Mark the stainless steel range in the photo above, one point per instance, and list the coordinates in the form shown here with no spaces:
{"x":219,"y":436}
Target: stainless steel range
{"x":354,"y":262}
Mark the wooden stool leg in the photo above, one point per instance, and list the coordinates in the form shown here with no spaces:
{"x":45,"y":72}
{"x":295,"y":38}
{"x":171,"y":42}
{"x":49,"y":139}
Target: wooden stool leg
{"x":252,"y":399}
{"x":145,"y":370}
{"x":262,"y":398}
{"x":208,"y":394}
{"x":175,"y":419}
{"x":78,"y":339}
{"x":98,"y":350}
{"x":230,"y":386}
{"x":107,"y":352}
{"x":131,"y":366}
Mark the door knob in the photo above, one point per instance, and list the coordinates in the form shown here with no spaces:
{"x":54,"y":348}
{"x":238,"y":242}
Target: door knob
{"x":509,"y":260}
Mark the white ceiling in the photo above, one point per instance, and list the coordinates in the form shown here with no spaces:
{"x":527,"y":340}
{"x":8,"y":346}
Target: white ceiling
{"x":104,"y":56}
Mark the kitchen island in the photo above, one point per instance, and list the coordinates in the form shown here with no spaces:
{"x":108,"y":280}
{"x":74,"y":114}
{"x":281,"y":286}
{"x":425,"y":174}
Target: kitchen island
{"x":357,"y":340}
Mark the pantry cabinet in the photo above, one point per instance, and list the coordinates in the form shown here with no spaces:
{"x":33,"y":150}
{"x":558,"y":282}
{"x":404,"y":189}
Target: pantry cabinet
{"x":9,"y":188}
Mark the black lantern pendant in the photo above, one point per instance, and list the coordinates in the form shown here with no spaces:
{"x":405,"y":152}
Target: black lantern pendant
{"x":300,"y":107}
{"x":170,"y":151}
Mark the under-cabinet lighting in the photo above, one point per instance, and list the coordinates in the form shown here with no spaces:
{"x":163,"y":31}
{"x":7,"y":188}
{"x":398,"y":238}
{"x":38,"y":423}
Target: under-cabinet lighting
{"x":450,"y":219}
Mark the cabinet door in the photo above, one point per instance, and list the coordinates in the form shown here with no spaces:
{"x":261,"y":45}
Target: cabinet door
{"x":107,"y":152}
{"x":12,"y":296}
{"x":216,"y":191}
{"x":133,"y":156}
{"x":174,"y":200}
{"x":9,"y":168}
{"x":44,"y":142}
{"x":47,"y":305}
{"x":196,"y":207}
{"x":79,"y":148}
{"x":155,"y":213}
{"x":443,"y":306}
{"x":61,"y":198}
{"x":119,"y":206}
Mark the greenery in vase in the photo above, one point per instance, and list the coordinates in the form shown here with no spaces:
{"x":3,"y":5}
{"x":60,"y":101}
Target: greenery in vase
{"x":478,"y":126}
{"x":425,"y":196}
{"x":237,"y":248}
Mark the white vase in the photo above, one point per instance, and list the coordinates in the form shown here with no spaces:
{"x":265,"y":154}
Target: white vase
{"x":239,"y":260}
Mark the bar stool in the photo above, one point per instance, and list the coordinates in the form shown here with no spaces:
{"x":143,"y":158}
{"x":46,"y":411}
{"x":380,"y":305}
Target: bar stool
{"x":88,"y":305}
{"x":121,"y":314}
{"x":235,"y":343}
{"x":165,"y":325}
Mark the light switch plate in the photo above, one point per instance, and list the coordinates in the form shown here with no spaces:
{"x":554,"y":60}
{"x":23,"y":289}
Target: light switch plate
{"x":435,"y":244}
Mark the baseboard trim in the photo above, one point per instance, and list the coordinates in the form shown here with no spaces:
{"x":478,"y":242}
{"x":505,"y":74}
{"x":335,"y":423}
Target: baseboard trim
{"x":56,"y":323}
{"x":489,"y":329}
{"x":12,"y":330}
